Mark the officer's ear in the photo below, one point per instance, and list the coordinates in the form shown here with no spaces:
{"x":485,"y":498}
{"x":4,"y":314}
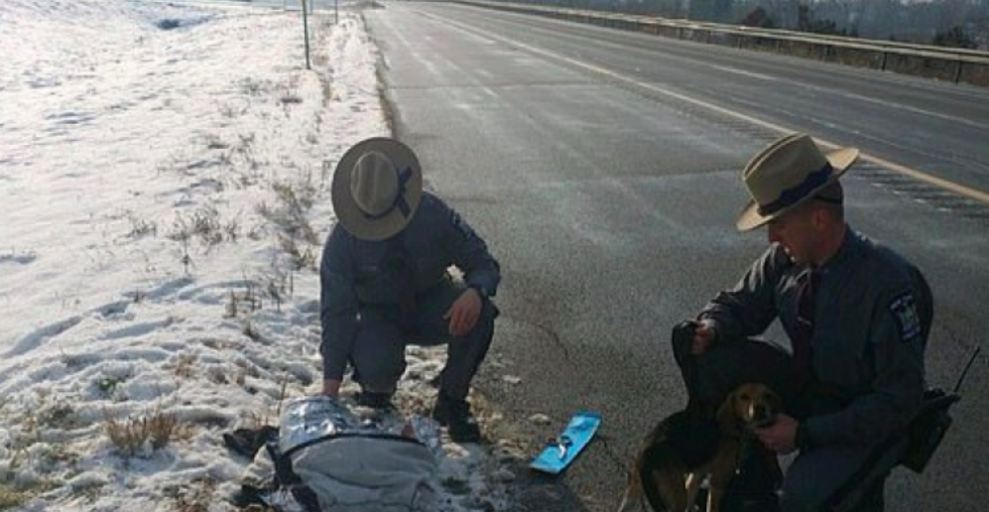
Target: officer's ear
{"x":820,"y":218}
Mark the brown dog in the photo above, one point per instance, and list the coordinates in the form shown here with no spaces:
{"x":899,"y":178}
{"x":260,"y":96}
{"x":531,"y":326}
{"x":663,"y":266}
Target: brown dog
{"x":681,"y":452}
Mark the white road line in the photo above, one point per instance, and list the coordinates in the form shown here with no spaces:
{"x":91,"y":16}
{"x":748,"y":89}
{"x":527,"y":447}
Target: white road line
{"x":749,"y":74}
{"x":957,"y":188}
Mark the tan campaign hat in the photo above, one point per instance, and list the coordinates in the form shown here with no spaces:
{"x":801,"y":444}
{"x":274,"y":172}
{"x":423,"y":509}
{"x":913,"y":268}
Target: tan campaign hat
{"x":785,"y":174}
{"x":376,"y":188}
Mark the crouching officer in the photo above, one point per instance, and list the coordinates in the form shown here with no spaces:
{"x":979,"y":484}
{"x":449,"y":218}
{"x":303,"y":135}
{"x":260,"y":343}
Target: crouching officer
{"x":856,"y":314}
{"x":384,"y":283}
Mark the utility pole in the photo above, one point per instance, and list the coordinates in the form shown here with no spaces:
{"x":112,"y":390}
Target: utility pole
{"x":305,"y":31}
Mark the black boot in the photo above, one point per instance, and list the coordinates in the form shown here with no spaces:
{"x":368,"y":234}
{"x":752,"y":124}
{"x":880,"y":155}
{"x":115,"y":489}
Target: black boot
{"x":375,"y":400}
{"x":456,"y":416}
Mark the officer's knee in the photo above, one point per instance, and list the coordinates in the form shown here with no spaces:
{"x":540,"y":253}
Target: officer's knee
{"x":381,"y":377}
{"x":379,"y":361}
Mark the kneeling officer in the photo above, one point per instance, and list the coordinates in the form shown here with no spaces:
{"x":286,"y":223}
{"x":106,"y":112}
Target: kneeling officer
{"x":384,"y":283}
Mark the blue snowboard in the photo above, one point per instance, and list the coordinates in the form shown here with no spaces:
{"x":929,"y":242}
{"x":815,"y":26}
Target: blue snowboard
{"x":560,"y":452}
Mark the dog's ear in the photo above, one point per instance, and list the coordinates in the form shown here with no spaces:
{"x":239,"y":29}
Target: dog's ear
{"x":727,"y":419}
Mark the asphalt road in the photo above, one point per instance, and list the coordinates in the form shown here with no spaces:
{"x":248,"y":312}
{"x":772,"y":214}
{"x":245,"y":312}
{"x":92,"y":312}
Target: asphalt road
{"x":603,"y":166}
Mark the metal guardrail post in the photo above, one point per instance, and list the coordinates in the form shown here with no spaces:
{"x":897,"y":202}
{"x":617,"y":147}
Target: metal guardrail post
{"x":958,"y":71}
{"x":305,"y":31}
{"x":885,"y":56}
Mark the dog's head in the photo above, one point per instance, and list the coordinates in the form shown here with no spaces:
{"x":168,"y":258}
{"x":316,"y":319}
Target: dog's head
{"x":749,"y":406}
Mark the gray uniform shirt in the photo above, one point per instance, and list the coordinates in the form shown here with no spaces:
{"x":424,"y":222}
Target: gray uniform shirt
{"x":355,"y":272}
{"x":867,"y":337}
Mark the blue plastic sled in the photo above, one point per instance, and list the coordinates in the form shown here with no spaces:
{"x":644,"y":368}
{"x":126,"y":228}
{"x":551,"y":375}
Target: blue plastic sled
{"x":560,"y":452}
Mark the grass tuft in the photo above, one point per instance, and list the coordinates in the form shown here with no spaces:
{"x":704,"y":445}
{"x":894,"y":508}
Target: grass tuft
{"x":131,"y":435}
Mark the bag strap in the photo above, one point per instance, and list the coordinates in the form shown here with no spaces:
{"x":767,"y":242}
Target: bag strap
{"x":286,"y":477}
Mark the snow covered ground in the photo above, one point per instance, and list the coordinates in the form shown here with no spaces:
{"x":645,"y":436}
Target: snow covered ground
{"x":164,"y":175}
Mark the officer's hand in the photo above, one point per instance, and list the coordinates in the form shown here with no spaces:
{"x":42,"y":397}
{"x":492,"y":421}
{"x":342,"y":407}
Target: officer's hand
{"x":781,"y":436}
{"x":331,"y":387}
{"x":704,"y":336}
{"x":464,"y":312}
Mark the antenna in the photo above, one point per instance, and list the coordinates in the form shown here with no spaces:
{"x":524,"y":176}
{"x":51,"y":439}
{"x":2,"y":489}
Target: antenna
{"x":971,"y":359}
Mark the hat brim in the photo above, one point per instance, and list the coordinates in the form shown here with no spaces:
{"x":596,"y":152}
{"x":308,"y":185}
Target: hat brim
{"x":349,"y":213}
{"x":841,"y":160}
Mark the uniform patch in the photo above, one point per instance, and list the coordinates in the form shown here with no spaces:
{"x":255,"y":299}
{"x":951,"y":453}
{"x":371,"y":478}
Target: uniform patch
{"x":904,"y":309}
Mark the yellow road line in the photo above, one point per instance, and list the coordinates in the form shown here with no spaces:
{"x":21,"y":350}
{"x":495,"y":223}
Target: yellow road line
{"x":957,"y":188}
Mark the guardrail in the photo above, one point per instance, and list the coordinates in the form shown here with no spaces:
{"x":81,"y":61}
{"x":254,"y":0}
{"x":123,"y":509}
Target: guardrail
{"x":955,"y":65}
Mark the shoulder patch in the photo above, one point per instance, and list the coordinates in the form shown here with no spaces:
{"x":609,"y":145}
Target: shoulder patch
{"x":904,"y":310}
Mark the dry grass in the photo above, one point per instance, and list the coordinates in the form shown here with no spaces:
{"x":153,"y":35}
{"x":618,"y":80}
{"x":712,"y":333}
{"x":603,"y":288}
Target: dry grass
{"x":279,"y":285}
{"x":184,"y":366}
{"x":296,"y":200}
{"x":254,"y":507}
{"x":229,"y":111}
{"x":205,"y":225}
{"x":297,"y":237}
{"x":129,"y":436}
{"x":195,"y":497}
{"x":217,"y":375}
{"x":214,"y":141}
{"x":252,"y":87}
{"x":297,"y":197}
{"x":10,"y":497}
{"x":108,"y":384}
{"x":304,"y":257}
{"x":251,"y":332}
{"x":326,"y":87}
{"x":240,"y":376}
{"x":141,"y":227}
{"x":247,"y":301}
{"x":255,"y":420}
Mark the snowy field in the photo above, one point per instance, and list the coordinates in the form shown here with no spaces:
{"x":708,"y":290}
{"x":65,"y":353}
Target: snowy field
{"x":165,"y":172}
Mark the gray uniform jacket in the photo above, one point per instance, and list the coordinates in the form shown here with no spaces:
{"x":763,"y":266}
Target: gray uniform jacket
{"x":867,"y":337}
{"x":355,"y":272}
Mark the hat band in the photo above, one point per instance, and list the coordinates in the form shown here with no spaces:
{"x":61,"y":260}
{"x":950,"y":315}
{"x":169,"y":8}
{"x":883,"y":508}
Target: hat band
{"x":793,"y":195}
{"x":399,"y":202}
